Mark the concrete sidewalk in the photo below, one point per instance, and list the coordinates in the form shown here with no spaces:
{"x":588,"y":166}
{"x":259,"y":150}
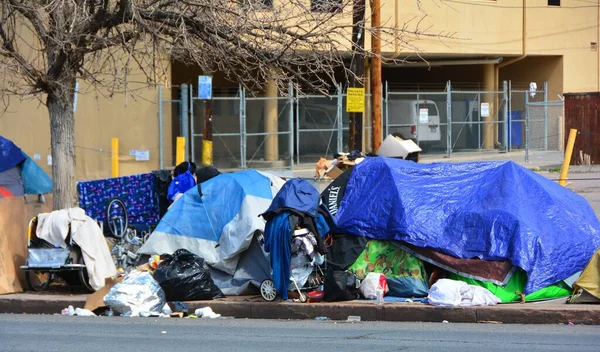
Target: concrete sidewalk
{"x":552,"y":312}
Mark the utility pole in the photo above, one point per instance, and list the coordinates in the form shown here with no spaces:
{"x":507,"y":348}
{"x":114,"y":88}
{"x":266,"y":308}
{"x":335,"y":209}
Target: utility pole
{"x":376,"y":74}
{"x":358,"y":69}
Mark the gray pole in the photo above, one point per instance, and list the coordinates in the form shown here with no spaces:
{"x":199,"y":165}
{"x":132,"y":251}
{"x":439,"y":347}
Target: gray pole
{"x":527,"y":126}
{"x":297,"y":129}
{"x":505,"y":89}
{"x":387,"y":110}
{"x":242,"y":112}
{"x":448,"y":118}
{"x":184,"y":118}
{"x":161,"y":142}
{"x":545,"y":115}
{"x":192,"y":129}
{"x":340,"y":125}
{"x":511,"y":117}
{"x":382,"y":136}
{"x":291,"y":122}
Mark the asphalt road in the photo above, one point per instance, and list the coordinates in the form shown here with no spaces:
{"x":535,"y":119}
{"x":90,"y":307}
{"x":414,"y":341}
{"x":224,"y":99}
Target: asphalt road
{"x":64,"y":334}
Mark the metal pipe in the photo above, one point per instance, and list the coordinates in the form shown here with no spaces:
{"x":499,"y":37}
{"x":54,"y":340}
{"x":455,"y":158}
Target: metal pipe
{"x":192,"y":139}
{"x":297,"y":129}
{"x":161,"y":143}
{"x":545,"y":115}
{"x":340,"y":136}
{"x":387,"y":105}
{"x":184,"y":118}
{"x":446,"y":63}
{"x":526,"y":126}
{"x":291,"y":122}
{"x":449,"y":118}
{"x":506,"y":123}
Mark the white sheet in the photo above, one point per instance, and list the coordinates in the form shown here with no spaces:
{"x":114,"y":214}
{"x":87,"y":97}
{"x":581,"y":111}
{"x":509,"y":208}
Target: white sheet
{"x":85,"y":232}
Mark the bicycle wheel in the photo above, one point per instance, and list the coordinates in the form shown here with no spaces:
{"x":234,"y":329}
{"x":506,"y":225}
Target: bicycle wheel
{"x":116,"y":217}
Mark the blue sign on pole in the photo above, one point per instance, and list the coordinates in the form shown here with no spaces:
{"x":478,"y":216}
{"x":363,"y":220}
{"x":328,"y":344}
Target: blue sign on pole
{"x":204,"y":87}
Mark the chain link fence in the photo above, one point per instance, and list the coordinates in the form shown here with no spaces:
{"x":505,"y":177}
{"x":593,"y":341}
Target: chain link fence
{"x":276,"y":132}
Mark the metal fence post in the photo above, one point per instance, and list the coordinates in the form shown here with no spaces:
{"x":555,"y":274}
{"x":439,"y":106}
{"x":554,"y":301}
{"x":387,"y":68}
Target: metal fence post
{"x":193,"y":130}
{"x":381,"y":104}
{"x":161,"y":142}
{"x":297,"y":128}
{"x":505,"y":90}
{"x":449,"y":118}
{"x":545,"y":115}
{"x":510,"y":116}
{"x":340,"y":125}
{"x":417,"y":119}
{"x":242,"y":111}
{"x":387,"y":110}
{"x":184,"y":118}
{"x":291,"y":122}
{"x":527,"y":126}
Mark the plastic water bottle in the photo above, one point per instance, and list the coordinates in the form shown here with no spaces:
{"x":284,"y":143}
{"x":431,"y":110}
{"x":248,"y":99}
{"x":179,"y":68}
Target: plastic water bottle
{"x":379,"y":299}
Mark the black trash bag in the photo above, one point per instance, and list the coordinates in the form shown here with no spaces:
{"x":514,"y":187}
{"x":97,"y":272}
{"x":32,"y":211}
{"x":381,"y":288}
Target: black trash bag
{"x":185,"y":276}
{"x":340,"y":286}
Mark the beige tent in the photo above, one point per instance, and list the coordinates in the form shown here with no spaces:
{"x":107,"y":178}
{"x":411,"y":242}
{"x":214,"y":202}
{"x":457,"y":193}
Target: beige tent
{"x":587,"y":288}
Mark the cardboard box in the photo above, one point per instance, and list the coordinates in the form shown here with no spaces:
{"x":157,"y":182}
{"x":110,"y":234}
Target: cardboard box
{"x":393,"y":147}
{"x":96,"y":299}
{"x":334,"y":172}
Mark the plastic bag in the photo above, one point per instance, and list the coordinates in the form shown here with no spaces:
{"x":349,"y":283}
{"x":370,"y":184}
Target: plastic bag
{"x":137,"y":295}
{"x":447,"y":292}
{"x":372,"y":283}
{"x":185,"y":276}
{"x":340,"y":286}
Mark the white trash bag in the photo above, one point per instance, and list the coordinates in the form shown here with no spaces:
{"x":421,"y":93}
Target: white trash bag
{"x":137,"y":295}
{"x":371,"y":284}
{"x":454,"y":293}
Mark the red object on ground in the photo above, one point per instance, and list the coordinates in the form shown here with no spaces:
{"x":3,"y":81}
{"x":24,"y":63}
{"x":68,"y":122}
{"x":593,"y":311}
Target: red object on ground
{"x":316,"y":296}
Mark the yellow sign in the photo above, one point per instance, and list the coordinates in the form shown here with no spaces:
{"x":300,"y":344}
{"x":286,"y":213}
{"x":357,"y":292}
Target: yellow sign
{"x":355,"y":100}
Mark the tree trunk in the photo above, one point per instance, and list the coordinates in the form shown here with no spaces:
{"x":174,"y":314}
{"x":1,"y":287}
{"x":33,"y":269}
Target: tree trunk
{"x":62,"y":141}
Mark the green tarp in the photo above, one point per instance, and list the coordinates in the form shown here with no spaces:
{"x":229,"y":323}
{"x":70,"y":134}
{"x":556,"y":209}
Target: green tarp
{"x":515,"y":286}
{"x":404,"y":272}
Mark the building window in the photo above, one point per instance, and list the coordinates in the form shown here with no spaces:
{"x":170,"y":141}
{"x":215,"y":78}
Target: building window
{"x":553,"y":2}
{"x":326,"y":5}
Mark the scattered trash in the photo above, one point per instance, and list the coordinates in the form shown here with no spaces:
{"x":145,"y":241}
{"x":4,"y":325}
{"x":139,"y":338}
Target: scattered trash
{"x":321,"y":318}
{"x":353,"y":318}
{"x":84,"y":313}
{"x":206,"y":312}
{"x":571,"y":322}
{"x":68,"y":311}
{"x":167,"y":310}
{"x":163,"y":332}
{"x":185,"y":276}
{"x":373,"y":283}
{"x":445,"y":321}
{"x":453,"y":293}
{"x":137,"y":295}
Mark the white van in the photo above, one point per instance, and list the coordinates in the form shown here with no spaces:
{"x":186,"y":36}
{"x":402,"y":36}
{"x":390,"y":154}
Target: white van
{"x":418,"y":120}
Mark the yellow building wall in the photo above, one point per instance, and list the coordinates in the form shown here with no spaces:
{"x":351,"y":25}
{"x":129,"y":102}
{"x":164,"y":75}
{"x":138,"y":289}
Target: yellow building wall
{"x":495,"y":29}
{"x":132,"y":117}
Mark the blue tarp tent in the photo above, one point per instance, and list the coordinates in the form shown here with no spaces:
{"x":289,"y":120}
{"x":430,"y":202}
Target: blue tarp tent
{"x":486,"y":210}
{"x":19,"y":174}
{"x":220,"y":226}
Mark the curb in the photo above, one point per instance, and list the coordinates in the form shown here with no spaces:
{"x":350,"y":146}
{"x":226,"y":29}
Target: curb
{"x":506,"y":314}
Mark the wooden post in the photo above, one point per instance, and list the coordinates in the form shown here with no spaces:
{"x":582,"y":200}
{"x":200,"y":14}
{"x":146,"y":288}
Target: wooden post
{"x":376,"y":74}
{"x":207,"y":139}
{"x":114,"y":146}
{"x":567,"y":161}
